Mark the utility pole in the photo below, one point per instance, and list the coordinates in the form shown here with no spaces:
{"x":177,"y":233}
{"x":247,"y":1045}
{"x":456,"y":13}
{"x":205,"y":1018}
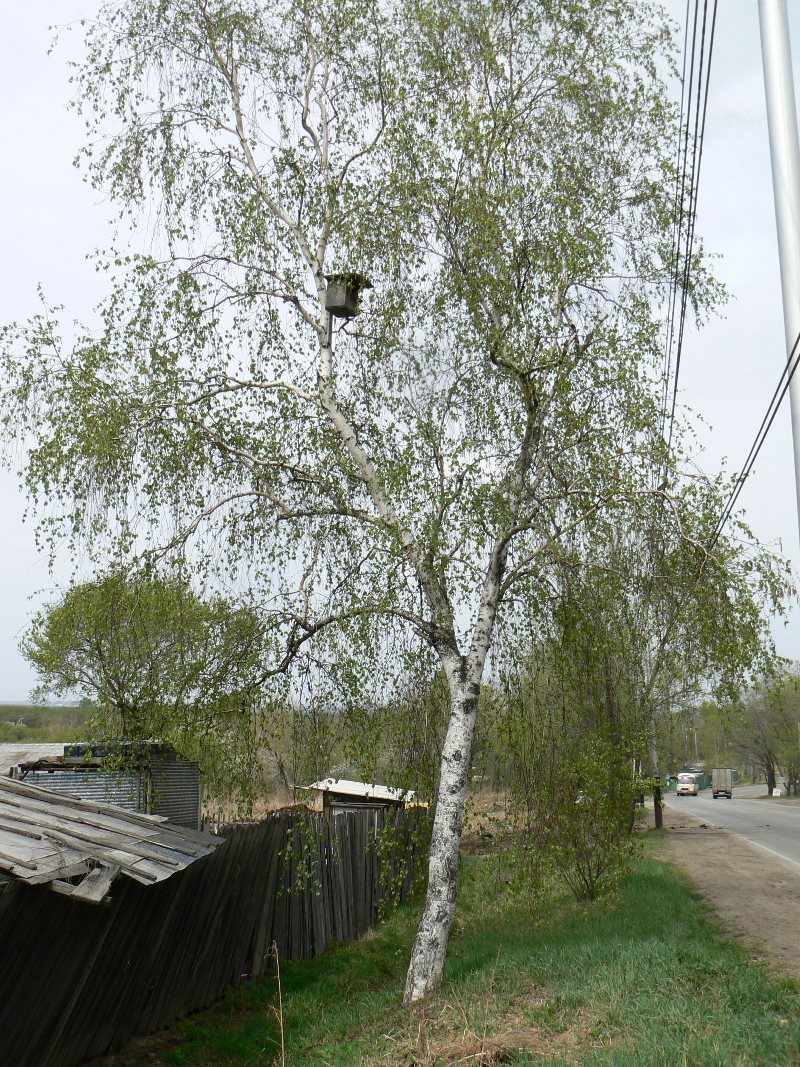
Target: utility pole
{"x":784,"y":149}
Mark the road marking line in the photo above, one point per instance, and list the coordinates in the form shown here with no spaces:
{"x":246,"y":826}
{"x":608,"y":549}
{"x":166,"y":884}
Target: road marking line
{"x":749,"y":840}
{"x":764,"y":848}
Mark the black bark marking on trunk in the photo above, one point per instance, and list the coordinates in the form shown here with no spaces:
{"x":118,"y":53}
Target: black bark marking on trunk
{"x":658,"y":807}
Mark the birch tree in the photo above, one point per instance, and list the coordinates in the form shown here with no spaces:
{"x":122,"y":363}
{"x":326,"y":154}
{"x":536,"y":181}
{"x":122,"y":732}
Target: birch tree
{"x":500,"y":173}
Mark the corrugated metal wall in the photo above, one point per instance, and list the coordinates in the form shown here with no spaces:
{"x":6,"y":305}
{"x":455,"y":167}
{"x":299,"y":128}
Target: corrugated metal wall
{"x":175,"y":792}
{"x":169,"y":787}
{"x":126,"y":789}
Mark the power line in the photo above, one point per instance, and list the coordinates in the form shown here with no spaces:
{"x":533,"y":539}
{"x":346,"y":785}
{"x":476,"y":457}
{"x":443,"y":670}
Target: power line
{"x":697,"y":159}
{"x":781,"y":389}
{"x":680,"y":200}
{"x":693,"y":89}
{"x":686,"y":196}
{"x":682,"y":262}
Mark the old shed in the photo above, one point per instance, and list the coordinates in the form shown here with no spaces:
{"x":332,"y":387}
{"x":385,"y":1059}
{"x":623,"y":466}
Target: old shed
{"x":145,"y":776}
{"x":341,"y":794}
{"x":79,"y":847}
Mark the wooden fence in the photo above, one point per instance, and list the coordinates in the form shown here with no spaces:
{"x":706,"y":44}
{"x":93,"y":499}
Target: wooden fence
{"x":79,"y":979}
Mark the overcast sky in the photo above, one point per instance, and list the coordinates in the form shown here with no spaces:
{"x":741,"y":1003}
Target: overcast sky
{"x":51,"y":220}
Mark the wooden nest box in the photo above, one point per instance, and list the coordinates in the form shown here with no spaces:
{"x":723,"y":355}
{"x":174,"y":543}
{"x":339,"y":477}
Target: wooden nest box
{"x":343,"y":292}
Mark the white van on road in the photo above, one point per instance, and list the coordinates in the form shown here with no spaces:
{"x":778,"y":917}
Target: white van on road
{"x":687,"y":785}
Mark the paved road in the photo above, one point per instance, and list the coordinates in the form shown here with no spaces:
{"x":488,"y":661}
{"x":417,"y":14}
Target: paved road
{"x":771,"y":825}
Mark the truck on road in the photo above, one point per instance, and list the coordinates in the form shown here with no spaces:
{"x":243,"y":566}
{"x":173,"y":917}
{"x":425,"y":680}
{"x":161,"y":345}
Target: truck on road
{"x":722,"y":782}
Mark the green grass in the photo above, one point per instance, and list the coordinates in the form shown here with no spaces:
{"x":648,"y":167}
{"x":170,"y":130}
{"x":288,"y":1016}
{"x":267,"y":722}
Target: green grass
{"x":39,"y":722}
{"x":643,"y":979}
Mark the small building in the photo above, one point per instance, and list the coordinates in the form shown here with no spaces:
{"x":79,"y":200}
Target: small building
{"x":341,"y":794}
{"x":142,"y":776}
{"x":79,"y":847}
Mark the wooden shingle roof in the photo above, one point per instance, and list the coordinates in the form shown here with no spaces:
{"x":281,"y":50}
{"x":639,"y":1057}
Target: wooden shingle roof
{"x":80,"y":846}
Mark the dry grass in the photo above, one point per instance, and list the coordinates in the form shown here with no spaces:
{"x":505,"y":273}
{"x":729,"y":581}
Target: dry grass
{"x":486,"y":1027}
{"x":504,"y":1047}
{"x":502,"y":1038}
{"x":222,"y":812}
{"x":486,"y":808}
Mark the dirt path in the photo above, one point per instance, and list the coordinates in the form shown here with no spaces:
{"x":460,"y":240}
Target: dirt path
{"x":757,"y":896}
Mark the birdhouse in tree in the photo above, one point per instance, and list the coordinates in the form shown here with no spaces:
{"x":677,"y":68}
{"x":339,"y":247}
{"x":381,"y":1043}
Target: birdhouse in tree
{"x":341,"y":297}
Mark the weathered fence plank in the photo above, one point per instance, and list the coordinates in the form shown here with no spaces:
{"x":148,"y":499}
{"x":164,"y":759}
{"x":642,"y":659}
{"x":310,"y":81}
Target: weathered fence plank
{"x":92,"y":977}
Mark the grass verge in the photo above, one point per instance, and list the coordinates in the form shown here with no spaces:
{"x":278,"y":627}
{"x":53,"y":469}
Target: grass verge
{"x":643,"y":979}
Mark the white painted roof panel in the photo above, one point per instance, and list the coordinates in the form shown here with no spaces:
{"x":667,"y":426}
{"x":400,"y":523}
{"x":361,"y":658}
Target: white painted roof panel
{"x":367,"y":790}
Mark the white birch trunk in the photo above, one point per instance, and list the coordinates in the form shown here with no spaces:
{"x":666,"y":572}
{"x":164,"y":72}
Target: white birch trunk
{"x":430,"y":945}
{"x":464,"y":676}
